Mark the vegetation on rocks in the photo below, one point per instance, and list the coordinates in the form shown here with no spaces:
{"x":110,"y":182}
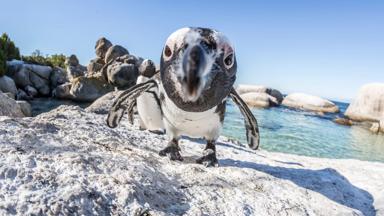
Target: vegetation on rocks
{"x":8,"y":51}
{"x":38,"y":58}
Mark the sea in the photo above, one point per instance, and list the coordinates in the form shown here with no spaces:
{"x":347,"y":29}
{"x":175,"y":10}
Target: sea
{"x":287,"y":130}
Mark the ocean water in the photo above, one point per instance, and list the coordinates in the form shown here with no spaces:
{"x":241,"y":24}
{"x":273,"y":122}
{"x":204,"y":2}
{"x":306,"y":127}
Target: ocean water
{"x":303,"y":133}
{"x":288,"y":131}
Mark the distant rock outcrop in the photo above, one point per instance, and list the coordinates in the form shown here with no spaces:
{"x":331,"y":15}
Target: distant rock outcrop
{"x":309,"y":103}
{"x":260,"y":96}
{"x":368,"y":106}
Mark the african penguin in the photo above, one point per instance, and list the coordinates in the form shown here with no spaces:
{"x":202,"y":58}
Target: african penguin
{"x":197,"y":72}
{"x":148,"y":103}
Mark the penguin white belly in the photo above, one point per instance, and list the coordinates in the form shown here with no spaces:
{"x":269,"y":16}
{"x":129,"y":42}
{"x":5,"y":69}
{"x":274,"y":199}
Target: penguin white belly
{"x":178,"y":122}
{"x":149,"y":109}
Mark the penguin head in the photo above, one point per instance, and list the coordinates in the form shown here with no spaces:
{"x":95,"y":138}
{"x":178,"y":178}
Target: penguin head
{"x":198,"y":68}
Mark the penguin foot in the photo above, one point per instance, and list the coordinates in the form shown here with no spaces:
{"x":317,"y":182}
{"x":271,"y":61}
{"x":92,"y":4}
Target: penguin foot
{"x":173,"y":152}
{"x":209,"y":159}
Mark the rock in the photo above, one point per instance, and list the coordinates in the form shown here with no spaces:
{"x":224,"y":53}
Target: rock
{"x":147,"y":68}
{"x":129,"y":59}
{"x":37,"y":76}
{"x":43,"y":72}
{"x":58,"y":77}
{"x":95,"y":65}
{"x":9,"y":107}
{"x":72,"y":60}
{"x":122,"y":74}
{"x":343,"y":121}
{"x":31,"y":91}
{"x":242,"y":89}
{"x":115,"y":52}
{"x":88,"y":89}
{"x":369,"y":103}
{"x":74,"y":69}
{"x":22,"y":95}
{"x":7,"y":85}
{"x":25,"y":108}
{"x":67,"y":161}
{"x":103,"y":104}
{"x":22,"y":77}
{"x":63,"y":91}
{"x":309,"y":103}
{"x":41,"y":84}
{"x":101,"y":47}
{"x":10,"y":95}
{"x":13,"y":66}
{"x":259,"y":99}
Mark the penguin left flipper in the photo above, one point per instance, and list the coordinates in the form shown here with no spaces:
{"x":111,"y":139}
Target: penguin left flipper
{"x":125,"y":100}
{"x":251,"y":126}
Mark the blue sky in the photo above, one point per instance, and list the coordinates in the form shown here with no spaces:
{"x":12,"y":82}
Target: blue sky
{"x":327,"y":48}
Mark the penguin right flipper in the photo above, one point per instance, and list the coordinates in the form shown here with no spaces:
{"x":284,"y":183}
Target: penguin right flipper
{"x":125,"y":100}
{"x":250,"y":121}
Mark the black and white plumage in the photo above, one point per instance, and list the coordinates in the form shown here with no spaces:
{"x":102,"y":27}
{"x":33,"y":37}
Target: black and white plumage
{"x":197,"y":72}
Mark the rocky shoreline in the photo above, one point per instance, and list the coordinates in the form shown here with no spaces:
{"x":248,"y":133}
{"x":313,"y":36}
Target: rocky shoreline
{"x":69,"y":161}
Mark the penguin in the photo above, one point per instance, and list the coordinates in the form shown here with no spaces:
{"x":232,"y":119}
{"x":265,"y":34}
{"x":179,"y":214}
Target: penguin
{"x":148,"y":103}
{"x":197,"y":72}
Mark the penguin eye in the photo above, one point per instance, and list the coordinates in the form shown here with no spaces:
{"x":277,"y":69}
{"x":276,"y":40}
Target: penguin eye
{"x":228,"y":60}
{"x":167,"y":51}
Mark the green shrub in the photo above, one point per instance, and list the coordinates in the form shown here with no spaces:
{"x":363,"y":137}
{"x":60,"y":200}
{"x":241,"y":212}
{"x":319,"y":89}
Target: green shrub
{"x":2,"y":63}
{"x":8,"y":47}
{"x":38,"y":58}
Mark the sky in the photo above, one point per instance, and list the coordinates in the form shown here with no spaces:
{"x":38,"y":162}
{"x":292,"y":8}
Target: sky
{"x":328,"y":48}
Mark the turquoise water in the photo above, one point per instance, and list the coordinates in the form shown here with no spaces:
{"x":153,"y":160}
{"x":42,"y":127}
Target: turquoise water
{"x":296,"y":132}
{"x":286,"y":130}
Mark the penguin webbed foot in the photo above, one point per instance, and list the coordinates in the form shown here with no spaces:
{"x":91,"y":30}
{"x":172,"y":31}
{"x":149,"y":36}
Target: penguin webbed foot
{"x":209,"y":158}
{"x":172,"y":151}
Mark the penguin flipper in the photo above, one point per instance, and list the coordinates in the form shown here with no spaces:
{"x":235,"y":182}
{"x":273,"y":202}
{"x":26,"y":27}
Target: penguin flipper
{"x":251,"y":126}
{"x":125,"y":100}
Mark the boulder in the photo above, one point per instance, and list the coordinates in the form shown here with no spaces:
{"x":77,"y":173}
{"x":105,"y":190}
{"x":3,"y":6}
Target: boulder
{"x":101,"y":47}
{"x":88,"y":89}
{"x":63,"y":91}
{"x":10,"y":95}
{"x":7,"y":85}
{"x":103,"y":104}
{"x":31,"y":91}
{"x":242,"y":89}
{"x":42,"y":71}
{"x":95,"y":65}
{"x":74,"y":69}
{"x":22,"y":77}
{"x":147,"y":68}
{"x":259,"y":99}
{"x":309,"y":103}
{"x":58,"y":77}
{"x":122,"y":74}
{"x":115,"y":52}
{"x":25,"y":108}
{"x":41,"y":84}
{"x":9,"y":107}
{"x":129,"y":59}
{"x":22,"y":95}
{"x":368,"y":104}
{"x":13,"y":66}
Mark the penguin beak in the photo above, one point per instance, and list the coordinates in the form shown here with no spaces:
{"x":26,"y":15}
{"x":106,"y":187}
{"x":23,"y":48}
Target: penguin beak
{"x":194,"y":62}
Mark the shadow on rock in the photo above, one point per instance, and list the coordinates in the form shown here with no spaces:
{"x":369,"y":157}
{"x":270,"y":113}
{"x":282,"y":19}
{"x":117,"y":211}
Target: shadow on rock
{"x":327,"y":182}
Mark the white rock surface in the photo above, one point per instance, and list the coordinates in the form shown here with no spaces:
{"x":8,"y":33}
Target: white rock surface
{"x":68,"y":161}
{"x":309,"y":103}
{"x":369,"y":103}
